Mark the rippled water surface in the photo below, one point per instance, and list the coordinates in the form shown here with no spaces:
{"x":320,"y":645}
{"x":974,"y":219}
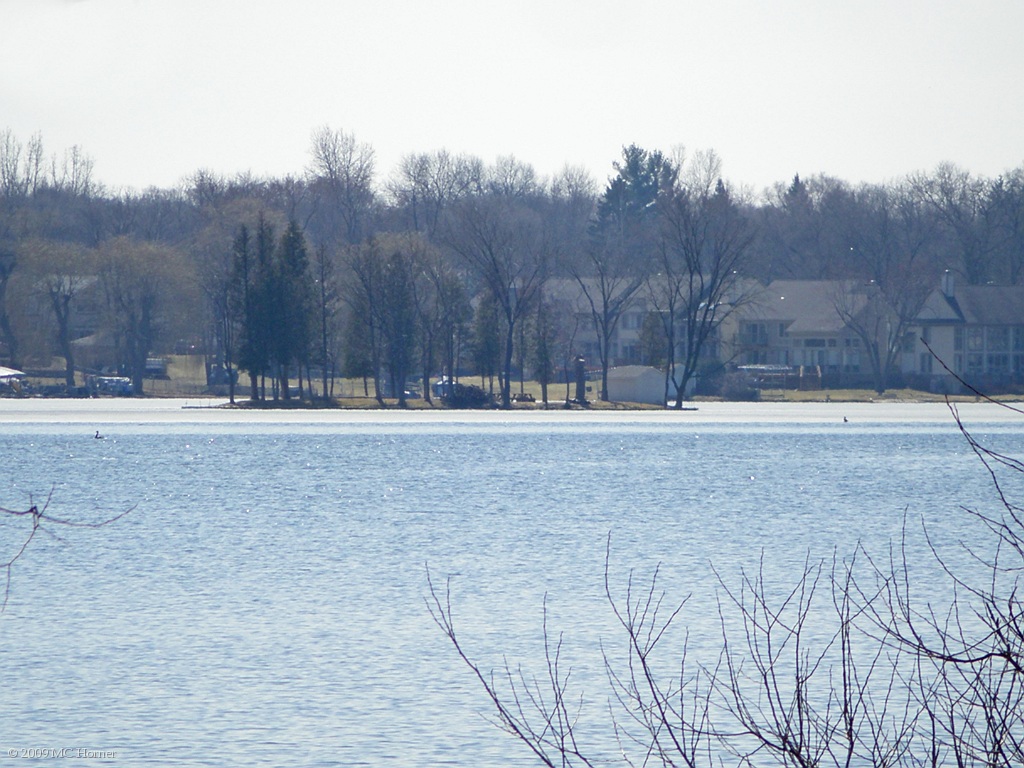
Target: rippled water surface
{"x":264,"y":602}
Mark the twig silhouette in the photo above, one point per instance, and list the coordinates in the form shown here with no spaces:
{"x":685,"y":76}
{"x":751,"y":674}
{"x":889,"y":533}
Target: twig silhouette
{"x":39,"y":520}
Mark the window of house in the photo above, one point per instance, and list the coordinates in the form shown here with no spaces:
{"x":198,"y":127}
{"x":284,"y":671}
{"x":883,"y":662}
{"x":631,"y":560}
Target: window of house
{"x":755,"y":333}
{"x":999,"y":364}
{"x":925,"y":363}
{"x":997,"y":339}
{"x":832,"y":342}
{"x":1018,"y":339}
{"x":926,"y":334}
{"x":814,"y":342}
{"x":1018,"y":366}
{"x":975,"y":339}
{"x":958,"y":339}
{"x":782,"y":330}
{"x":975,"y":363}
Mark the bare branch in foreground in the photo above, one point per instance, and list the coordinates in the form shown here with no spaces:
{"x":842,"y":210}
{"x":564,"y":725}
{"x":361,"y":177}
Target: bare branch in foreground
{"x":540,"y":715}
{"x":860,"y":664}
{"x":39,"y":520}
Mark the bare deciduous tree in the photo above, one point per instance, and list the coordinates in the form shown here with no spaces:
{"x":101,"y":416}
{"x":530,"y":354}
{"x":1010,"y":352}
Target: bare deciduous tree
{"x":539,"y":711}
{"x":8,"y":264}
{"x":326,"y":309}
{"x":964,"y":206}
{"x":73,"y":172}
{"x":21,"y":165}
{"x":148,"y":297}
{"x":341,"y":175}
{"x":508,"y":246}
{"x":887,"y":240}
{"x":426,"y":184}
{"x":704,"y":247}
{"x":59,"y":272}
{"x":1007,"y":194}
{"x":848,"y":665}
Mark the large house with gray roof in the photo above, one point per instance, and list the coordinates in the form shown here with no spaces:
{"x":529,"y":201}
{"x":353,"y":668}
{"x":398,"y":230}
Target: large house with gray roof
{"x":797,"y":323}
{"x":973,"y":331}
{"x":816,"y":329}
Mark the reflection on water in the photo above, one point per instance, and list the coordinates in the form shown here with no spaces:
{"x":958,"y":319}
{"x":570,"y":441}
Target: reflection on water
{"x":264,"y":603}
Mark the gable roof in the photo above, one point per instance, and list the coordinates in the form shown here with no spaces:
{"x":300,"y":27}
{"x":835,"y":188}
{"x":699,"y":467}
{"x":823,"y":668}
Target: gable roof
{"x":634,"y":373}
{"x":976,"y":305}
{"x":807,"y":306}
{"x":648,"y":293}
{"x":991,"y":304}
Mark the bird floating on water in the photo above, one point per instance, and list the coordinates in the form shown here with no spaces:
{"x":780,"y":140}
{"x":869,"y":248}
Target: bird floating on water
{"x":98,"y":436}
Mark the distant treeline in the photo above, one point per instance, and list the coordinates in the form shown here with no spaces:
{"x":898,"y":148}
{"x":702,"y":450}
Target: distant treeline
{"x":449,"y":263}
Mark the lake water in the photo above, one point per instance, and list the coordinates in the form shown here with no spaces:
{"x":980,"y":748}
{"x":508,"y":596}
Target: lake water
{"x":264,"y":602}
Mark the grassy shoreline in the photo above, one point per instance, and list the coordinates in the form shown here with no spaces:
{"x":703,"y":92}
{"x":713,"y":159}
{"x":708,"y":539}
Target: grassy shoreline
{"x":903,"y":396}
{"x":187,"y":378}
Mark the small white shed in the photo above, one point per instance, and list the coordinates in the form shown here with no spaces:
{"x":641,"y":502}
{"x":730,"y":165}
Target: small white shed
{"x":636,"y":384}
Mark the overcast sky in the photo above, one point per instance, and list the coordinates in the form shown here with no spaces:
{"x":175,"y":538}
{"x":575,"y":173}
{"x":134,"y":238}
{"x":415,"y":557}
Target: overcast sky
{"x":869,"y":90}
